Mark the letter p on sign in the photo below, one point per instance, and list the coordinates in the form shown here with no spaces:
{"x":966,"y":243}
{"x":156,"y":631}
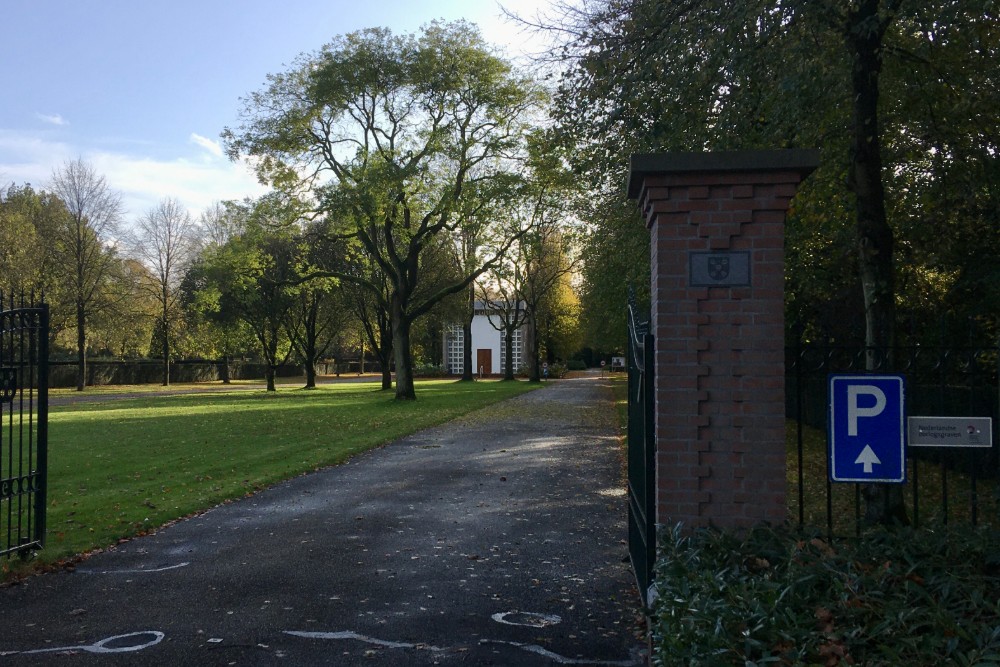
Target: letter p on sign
{"x":854,"y":409}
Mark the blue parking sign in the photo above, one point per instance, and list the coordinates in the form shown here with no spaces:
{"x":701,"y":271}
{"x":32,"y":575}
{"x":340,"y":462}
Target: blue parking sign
{"x":867,"y":434}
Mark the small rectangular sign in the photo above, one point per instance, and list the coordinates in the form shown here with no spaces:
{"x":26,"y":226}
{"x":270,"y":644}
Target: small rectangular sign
{"x":950,"y":431}
{"x":719,"y":269}
{"x":867,"y":437}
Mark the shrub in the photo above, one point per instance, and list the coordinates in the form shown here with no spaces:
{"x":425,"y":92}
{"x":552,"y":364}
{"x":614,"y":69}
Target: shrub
{"x":556,"y":370}
{"x":429,"y":371}
{"x":893,"y":597}
{"x":576,"y":365}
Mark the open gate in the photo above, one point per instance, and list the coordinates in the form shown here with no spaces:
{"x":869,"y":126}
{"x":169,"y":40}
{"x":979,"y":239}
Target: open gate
{"x":24,"y":393}
{"x":641,"y":450}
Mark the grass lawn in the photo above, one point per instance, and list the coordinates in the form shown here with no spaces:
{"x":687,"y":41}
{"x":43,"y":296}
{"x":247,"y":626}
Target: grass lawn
{"x":121,"y":468}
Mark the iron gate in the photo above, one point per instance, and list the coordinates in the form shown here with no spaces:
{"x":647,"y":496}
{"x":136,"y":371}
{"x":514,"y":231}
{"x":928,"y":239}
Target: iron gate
{"x":24,"y":392}
{"x":641,"y":451}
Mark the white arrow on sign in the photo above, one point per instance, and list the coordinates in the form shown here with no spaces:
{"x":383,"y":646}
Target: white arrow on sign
{"x":867,"y":458}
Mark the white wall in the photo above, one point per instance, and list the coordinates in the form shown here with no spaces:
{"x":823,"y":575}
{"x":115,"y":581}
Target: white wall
{"x":484,"y":336}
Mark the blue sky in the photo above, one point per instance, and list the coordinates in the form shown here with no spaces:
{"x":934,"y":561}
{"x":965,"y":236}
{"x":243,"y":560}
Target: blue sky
{"x":141,"y":90}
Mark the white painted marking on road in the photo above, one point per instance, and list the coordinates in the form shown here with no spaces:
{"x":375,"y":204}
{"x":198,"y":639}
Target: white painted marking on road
{"x":101,"y":646}
{"x":531,"y":648}
{"x":347,"y":634}
{"x":137,"y":570}
{"x":528,"y":619}
{"x":561,"y":659}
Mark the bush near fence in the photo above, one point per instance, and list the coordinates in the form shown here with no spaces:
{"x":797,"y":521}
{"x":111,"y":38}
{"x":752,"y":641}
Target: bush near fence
{"x":896,"y":597}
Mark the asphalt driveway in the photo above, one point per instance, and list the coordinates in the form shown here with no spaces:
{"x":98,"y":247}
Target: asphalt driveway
{"x":496,"y":539}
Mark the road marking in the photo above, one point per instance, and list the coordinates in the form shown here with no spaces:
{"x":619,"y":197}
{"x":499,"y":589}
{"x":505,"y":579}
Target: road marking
{"x":101,"y":646}
{"x":561,"y":659}
{"x":347,"y":634}
{"x":531,"y":648}
{"x":526,"y":618}
{"x":136,"y":570}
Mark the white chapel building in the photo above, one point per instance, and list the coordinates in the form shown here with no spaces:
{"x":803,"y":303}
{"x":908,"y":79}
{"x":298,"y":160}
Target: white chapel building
{"x":489,"y":354}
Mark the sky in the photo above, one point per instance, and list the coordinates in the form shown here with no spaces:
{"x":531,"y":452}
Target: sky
{"x":142,"y":90}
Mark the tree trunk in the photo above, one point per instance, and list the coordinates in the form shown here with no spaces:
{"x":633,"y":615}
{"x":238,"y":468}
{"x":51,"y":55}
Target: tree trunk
{"x":468,"y":374}
{"x":165,"y":351}
{"x":385,"y":355}
{"x":865,"y":29}
{"x":224,"y":371}
{"x":165,"y":342}
{"x":401,"y":349}
{"x":533,"y":365}
{"x":387,"y":371}
{"x":81,"y":347}
{"x":309,"y":356}
{"x":270,"y":347}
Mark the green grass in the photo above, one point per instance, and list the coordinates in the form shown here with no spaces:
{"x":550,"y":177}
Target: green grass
{"x":120,"y":468}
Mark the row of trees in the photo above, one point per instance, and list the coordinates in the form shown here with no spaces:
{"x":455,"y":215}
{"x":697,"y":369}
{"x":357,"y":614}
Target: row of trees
{"x":402,"y":148}
{"x":408,"y":182}
{"x":900,"y":221}
{"x":246,"y":279}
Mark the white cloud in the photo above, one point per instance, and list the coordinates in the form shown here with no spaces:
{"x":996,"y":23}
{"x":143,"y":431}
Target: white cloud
{"x":142,"y":181}
{"x":52,"y":119}
{"x":196,"y":184}
{"x":212,"y":147}
{"x":29,"y":159}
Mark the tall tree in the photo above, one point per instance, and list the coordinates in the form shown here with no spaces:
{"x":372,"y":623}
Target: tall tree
{"x":389,"y":134}
{"x":127,"y":326}
{"x":219,"y":224}
{"x":164,"y":240}
{"x":320,"y":312}
{"x":374,"y":318}
{"x":28,"y":262}
{"x":611,"y":249}
{"x":94,"y":214}
{"x":548,"y":260}
{"x":214,"y":332}
{"x":255,"y":277}
{"x":868,"y":81}
{"x":20,"y":246}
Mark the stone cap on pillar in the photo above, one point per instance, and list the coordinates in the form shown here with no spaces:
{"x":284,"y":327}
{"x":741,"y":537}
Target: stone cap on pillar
{"x":800,"y":160}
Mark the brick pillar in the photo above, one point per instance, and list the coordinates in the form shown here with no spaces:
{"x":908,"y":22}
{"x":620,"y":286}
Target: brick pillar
{"x":717,"y":304}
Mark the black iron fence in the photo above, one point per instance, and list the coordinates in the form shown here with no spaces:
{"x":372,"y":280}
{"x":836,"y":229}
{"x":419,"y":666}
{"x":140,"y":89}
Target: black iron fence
{"x":641,"y":450}
{"x":944,"y":484}
{"x":23,"y":424}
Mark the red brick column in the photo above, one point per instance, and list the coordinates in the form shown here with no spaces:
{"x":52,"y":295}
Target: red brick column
{"x":717,"y":303}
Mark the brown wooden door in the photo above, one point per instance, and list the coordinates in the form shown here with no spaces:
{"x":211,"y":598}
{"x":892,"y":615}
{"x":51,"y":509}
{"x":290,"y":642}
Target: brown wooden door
{"x":484,"y":362}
